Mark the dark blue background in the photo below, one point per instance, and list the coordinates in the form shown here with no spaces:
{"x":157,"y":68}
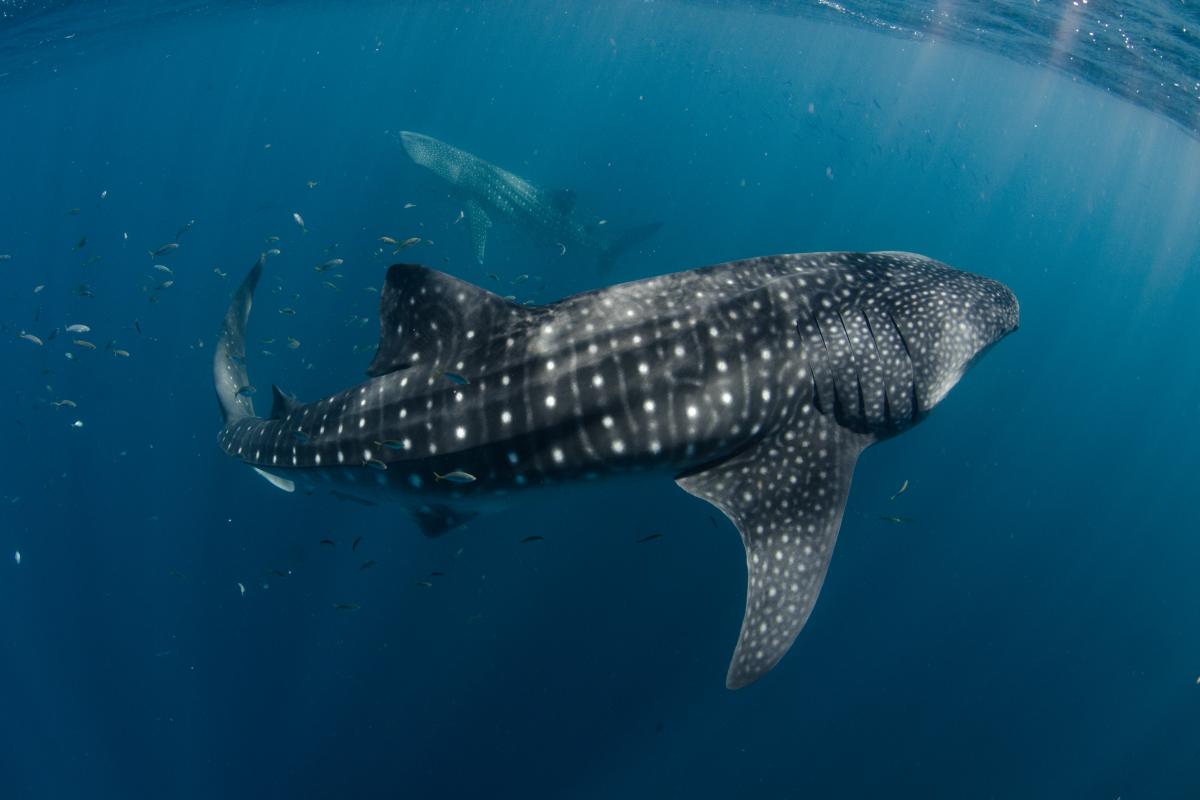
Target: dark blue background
{"x":1032,"y":632}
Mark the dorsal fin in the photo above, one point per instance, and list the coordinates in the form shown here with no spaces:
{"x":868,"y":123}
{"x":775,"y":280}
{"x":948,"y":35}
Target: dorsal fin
{"x":432,"y":319}
{"x":282,"y":403}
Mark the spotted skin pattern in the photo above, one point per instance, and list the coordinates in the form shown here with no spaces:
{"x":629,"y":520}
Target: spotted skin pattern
{"x":757,"y":382}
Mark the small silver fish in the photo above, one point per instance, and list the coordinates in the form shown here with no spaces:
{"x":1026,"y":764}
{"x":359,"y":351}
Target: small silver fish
{"x":299,"y":220}
{"x":457,"y":476}
{"x":409,"y":242}
{"x":78,"y":328}
{"x":410,"y":205}
{"x":84,"y":343}
{"x":29,"y":337}
{"x":164,"y":268}
{"x":17,"y":558}
{"x":165,"y":248}
{"x":903,"y":488}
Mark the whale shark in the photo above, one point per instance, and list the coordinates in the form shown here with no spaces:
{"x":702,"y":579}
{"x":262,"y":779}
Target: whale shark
{"x":491,"y":192}
{"x":754,"y":385}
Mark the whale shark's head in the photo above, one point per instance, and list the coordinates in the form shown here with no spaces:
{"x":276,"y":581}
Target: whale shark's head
{"x":442,"y":159}
{"x":948,"y":320}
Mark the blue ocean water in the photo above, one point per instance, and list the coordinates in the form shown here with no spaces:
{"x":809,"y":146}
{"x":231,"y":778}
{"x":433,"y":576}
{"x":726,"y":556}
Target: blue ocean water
{"x":1031,"y":630}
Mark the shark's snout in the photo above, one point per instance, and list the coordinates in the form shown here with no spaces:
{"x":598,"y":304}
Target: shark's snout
{"x":417,"y":146}
{"x":950,"y":324}
{"x":998,"y":312}
{"x":440,"y":158}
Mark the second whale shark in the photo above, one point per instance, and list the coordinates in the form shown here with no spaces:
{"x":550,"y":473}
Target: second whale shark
{"x":754,"y":384}
{"x":490,"y":192}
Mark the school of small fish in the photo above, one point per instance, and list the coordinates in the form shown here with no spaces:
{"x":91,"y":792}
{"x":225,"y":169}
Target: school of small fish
{"x":178,"y":272}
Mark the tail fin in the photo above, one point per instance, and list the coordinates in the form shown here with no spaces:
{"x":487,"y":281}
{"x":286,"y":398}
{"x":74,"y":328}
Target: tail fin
{"x":230,"y":378}
{"x":626,"y":240}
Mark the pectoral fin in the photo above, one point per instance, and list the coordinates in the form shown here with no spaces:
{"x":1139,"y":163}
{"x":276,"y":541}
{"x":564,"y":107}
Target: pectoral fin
{"x":282,"y":484}
{"x":786,"y":495}
{"x":479,"y":222}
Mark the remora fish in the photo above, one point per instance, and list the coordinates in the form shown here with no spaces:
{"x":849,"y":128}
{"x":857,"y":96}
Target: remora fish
{"x":490,"y":191}
{"x":755,"y":384}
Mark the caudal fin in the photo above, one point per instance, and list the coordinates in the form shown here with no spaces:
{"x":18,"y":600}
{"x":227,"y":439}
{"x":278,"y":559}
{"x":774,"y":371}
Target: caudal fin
{"x":230,"y":378}
{"x":623,"y":242}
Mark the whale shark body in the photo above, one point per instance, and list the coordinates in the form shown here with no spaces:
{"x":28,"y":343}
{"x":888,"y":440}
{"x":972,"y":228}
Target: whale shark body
{"x":756,"y":384}
{"x":489,"y":191}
